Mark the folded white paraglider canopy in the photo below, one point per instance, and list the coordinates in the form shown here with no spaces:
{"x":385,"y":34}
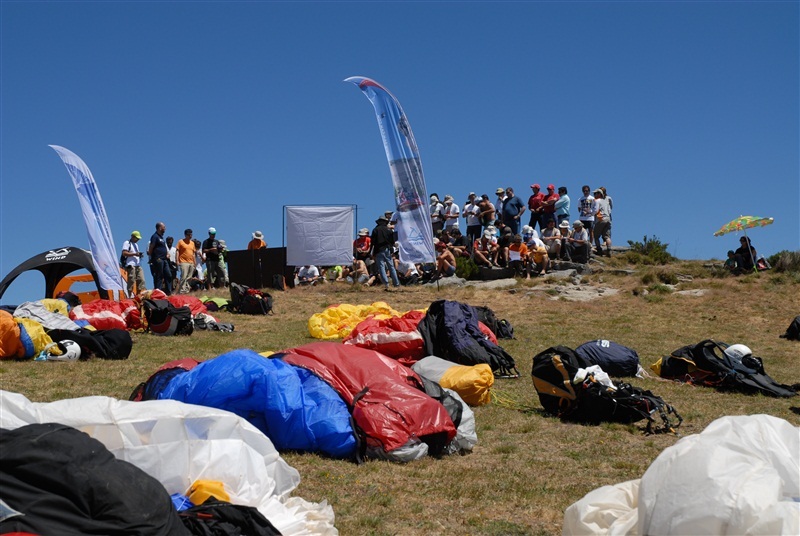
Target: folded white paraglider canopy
{"x":741,"y":475}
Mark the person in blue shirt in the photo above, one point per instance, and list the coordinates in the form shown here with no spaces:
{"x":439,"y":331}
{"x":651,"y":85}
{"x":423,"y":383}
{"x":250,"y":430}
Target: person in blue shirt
{"x":159,"y":260}
{"x":513,"y":208}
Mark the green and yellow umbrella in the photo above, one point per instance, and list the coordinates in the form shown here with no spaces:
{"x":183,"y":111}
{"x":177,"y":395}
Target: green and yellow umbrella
{"x":743,"y":222}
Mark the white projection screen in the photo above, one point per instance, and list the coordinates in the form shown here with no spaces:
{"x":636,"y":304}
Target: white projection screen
{"x":319,"y":235}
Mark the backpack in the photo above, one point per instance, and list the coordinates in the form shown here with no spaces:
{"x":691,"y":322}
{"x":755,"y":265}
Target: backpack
{"x":615,"y":359}
{"x":504,"y":329}
{"x":793,"y":331}
{"x":706,"y":363}
{"x":217,"y":518}
{"x":278,"y":282}
{"x":590,"y":401}
{"x":249,"y":301}
{"x":163,"y":318}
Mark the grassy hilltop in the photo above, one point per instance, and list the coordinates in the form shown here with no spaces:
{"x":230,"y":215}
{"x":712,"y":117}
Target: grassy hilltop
{"x":527,"y":467}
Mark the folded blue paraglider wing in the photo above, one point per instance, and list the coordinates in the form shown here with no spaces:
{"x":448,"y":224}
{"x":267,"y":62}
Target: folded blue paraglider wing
{"x":294,"y":408}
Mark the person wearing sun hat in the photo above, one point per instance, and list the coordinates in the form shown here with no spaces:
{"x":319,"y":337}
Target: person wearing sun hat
{"x":436,"y":209}
{"x":362,"y":245}
{"x":132,"y":262}
{"x":257,"y":242}
{"x":382,"y":243}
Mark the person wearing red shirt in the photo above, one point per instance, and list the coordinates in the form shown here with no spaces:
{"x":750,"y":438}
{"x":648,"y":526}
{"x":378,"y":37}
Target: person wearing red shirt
{"x":535,"y":205}
{"x":549,"y":206}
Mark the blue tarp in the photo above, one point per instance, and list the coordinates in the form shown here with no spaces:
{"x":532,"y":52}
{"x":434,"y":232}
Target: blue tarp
{"x":292,"y":406}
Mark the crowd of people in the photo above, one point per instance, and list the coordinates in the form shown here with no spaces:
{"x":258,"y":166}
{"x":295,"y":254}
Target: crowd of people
{"x":495,"y":236}
{"x":180,"y":267}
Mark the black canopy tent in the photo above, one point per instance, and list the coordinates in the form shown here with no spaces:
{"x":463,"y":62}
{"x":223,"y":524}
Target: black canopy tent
{"x":54,"y":265}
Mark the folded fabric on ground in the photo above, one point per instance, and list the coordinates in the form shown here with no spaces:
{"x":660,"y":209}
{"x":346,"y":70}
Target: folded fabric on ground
{"x":48,"y":319}
{"x":178,"y":444}
{"x":387,"y":400}
{"x":472,"y":383}
{"x":741,"y":475}
{"x":337,"y":321}
{"x":451,"y":331}
{"x":292,"y":406}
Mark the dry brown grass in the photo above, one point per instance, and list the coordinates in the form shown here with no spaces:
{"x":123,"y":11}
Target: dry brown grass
{"x":527,"y":467}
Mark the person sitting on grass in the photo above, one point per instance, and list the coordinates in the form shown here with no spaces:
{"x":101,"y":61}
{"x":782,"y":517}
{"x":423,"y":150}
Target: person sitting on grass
{"x":445,"y":261}
{"x":731,"y":264}
{"x":578,"y":243}
{"x":484,"y":250}
{"x":308,"y":275}
{"x":538,"y":260}
{"x":503,"y":243}
{"x":746,"y":255}
{"x":407,"y":271}
{"x":518,"y":256}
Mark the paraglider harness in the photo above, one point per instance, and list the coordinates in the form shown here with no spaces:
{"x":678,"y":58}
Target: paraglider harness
{"x":590,"y":401}
{"x":706,"y":363}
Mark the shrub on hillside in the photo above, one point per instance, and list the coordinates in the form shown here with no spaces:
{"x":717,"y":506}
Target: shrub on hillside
{"x":648,"y":251}
{"x":785,"y":261}
{"x":466,"y":268}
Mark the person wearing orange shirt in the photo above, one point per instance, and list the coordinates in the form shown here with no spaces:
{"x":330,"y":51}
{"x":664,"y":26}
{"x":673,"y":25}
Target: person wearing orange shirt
{"x":257,"y":242}
{"x":517,"y":255}
{"x":185,"y":257}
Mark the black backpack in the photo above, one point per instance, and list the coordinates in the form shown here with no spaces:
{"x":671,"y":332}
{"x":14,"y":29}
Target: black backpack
{"x":278,"y":282}
{"x":246,"y":300}
{"x":706,"y":363}
{"x":163,"y":318}
{"x":217,"y":518}
{"x":793,"y":331}
{"x":502,"y":329}
{"x":590,"y":401}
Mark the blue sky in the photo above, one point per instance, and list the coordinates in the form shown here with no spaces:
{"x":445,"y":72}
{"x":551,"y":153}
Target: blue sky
{"x":221,"y":113}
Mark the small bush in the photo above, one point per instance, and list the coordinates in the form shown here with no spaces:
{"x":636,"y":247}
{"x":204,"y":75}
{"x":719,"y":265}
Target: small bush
{"x":785,"y":261}
{"x":466,"y":268}
{"x":649,"y":251}
{"x":660,"y":289}
{"x":667,"y":277}
{"x":648,"y":277}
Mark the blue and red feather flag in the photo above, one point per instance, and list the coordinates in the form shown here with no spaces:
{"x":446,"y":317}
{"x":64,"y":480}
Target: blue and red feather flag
{"x":414,"y":230}
{"x":101,"y":242}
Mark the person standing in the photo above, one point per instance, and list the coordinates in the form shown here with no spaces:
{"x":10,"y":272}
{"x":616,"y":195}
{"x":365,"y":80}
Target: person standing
{"x":133,"y":263}
{"x":185,"y":258}
{"x":257,"y":242}
{"x":382,"y":242}
{"x":534,"y":205}
{"x":562,"y":206}
{"x":587,"y":208}
{"x":451,"y":213}
{"x":472,"y":216}
{"x":159,"y":260}
{"x":602,"y":224}
{"x":513,"y":209}
{"x":215,"y":277}
{"x":437,"y":214}
{"x":548,"y":210}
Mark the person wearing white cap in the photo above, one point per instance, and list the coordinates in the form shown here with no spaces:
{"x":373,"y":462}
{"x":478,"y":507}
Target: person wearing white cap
{"x":437,"y":214}
{"x":215,"y":276}
{"x":257,"y":242}
{"x":578,"y":243}
{"x":362,"y":246}
{"x":472,"y":215}
{"x":485,"y":250}
{"x":451,"y":213}
{"x":131,"y":260}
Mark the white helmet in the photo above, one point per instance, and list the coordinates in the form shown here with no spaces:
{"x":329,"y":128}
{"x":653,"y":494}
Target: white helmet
{"x":71,"y":351}
{"x":738,"y":351}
